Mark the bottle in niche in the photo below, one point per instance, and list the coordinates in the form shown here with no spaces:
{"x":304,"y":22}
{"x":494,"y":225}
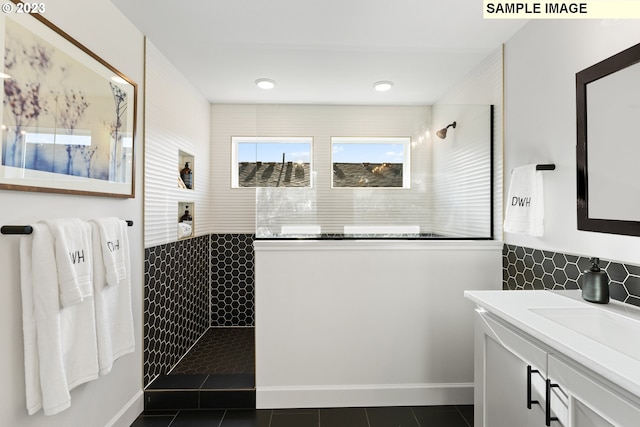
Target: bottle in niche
{"x":186,"y":218}
{"x":187,"y":176}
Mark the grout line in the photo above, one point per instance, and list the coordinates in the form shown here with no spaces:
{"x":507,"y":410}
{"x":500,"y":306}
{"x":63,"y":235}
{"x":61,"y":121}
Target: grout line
{"x":462,"y":415}
{"x":186,"y":352}
{"x":414,"y":417}
{"x":173,"y":419}
{"x":224,"y":414}
{"x":366,"y":414}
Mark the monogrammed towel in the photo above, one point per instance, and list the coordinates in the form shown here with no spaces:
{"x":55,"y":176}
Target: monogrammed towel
{"x":114,"y":316}
{"x":524,"y":213}
{"x":73,"y":259}
{"x":113,"y":238}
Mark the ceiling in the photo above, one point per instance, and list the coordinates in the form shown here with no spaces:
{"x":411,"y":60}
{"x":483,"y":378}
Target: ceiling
{"x":321,"y":51}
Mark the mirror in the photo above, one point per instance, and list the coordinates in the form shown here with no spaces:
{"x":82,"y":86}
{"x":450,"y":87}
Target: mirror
{"x":608,"y":145}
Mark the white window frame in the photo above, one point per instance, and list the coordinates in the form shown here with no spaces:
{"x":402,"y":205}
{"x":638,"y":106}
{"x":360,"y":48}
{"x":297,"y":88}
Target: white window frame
{"x":405,"y":141}
{"x":236,"y":140}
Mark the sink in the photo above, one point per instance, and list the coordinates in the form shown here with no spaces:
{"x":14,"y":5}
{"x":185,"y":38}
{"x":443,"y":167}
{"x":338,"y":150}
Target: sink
{"x":618,"y":332}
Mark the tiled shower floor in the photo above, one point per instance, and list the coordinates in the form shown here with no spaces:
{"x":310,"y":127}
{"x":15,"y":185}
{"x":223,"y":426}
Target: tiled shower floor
{"x":220,"y":351}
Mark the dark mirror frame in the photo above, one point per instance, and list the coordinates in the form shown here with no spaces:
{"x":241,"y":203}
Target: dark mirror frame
{"x":602,"y":69}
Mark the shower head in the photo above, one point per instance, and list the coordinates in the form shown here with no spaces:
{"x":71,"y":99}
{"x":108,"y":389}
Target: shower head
{"x":442,"y":133}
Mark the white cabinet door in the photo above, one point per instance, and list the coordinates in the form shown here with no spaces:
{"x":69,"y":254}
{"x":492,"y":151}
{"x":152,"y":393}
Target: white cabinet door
{"x":583,"y":416}
{"x":510,"y":374}
{"x":506,"y":390}
{"x":593,"y":401}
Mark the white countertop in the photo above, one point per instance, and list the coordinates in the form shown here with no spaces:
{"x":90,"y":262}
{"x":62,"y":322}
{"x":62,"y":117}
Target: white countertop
{"x":515,"y":308}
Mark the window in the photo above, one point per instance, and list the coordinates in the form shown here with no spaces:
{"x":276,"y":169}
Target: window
{"x":371,"y":162}
{"x":271,"y":162}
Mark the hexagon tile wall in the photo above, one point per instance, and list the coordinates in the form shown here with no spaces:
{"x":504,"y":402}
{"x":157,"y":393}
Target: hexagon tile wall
{"x":527,"y":268}
{"x":232,"y":282}
{"x":191,"y":285}
{"x":176,"y":304}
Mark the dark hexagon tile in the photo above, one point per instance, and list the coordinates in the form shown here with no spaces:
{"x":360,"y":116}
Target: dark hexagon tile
{"x":559,"y":260}
{"x":560,"y":277}
{"x":538,"y":256}
{"x":633,"y":269}
{"x":528,"y":276}
{"x":572,"y":271}
{"x":538,"y":271}
{"x":584,"y":263}
{"x":571,"y":258}
{"x":176,"y":301}
{"x":633,"y":285}
{"x":529,"y":261}
{"x":617,"y":291}
{"x":548,"y":281}
{"x":633,"y":300}
{"x":537,"y":283}
{"x":571,"y":284}
{"x":617,"y":272}
{"x":548,"y":265}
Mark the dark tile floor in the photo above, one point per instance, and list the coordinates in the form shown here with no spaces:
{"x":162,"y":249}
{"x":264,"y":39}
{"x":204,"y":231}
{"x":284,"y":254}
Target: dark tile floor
{"x":397,"y":416}
{"x":224,"y":356}
{"x":220,"y":351}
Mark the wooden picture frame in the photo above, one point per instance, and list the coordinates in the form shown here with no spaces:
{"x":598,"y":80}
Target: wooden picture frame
{"x":68,"y":117}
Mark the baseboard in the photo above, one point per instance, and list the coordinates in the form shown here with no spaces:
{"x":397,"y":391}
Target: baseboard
{"x":368,"y":395}
{"x":127,"y":415}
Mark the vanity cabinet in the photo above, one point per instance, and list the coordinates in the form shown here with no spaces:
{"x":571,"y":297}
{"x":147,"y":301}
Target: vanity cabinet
{"x":511,"y":378}
{"x":520,"y":381}
{"x":593,"y":401}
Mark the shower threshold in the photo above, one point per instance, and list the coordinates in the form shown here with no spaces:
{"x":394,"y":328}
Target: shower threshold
{"x":218,"y":372}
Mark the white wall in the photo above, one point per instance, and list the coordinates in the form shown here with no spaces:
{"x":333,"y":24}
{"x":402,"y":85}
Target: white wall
{"x":116,"y":397}
{"x":176,"y":119}
{"x":368,"y":323}
{"x":541,"y":61}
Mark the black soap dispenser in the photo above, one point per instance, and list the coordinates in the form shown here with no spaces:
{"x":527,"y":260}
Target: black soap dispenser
{"x":595,"y":284}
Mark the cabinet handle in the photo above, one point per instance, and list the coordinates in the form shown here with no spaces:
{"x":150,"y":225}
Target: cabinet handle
{"x":548,"y":416}
{"x":529,"y":372}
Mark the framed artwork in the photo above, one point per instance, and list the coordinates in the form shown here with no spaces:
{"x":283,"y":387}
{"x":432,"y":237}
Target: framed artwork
{"x":68,"y":117}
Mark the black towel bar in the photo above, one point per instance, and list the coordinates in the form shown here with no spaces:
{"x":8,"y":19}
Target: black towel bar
{"x":27,"y":229}
{"x":546,"y":167}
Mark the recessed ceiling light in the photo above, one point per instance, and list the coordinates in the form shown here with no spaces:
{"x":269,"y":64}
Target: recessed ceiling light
{"x":382,"y":86}
{"x":265,"y":84}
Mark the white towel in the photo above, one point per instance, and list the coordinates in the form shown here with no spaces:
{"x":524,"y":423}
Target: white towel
{"x":66,"y":336}
{"x":525,"y":203}
{"x":73,"y":259}
{"x":112,"y":238}
{"x":53,"y":381}
{"x":114,"y":316}
{"x":31,"y":362}
{"x":184,"y":230}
